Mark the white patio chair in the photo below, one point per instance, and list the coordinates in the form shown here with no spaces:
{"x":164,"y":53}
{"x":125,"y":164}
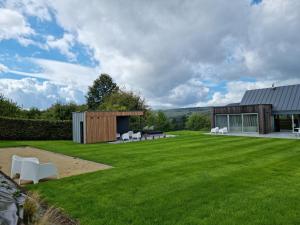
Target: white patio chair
{"x":137,"y":135}
{"x":130,"y":133}
{"x":35,"y":171}
{"x":16,"y":163}
{"x":125,"y":136}
{"x":118,"y":135}
{"x":298,"y":133}
{"x":224,"y":130}
{"x":214,"y":130}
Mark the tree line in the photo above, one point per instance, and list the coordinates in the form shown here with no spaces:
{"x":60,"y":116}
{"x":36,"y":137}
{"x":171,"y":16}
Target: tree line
{"x":105,"y":95}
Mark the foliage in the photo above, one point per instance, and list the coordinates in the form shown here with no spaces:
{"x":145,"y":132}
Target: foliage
{"x":31,"y":207}
{"x":162,"y":122}
{"x":123,"y":101}
{"x":178,"y":123}
{"x":101,"y":88}
{"x":25,"y":129}
{"x":32,"y":113}
{"x":60,"y":111}
{"x":8,"y":108}
{"x":198,"y":121}
{"x":159,"y":120}
{"x":190,"y":179}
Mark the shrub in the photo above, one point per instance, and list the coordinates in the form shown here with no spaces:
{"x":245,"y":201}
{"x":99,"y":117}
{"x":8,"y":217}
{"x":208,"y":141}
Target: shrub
{"x":198,"y":121}
{"x":26,"y":129}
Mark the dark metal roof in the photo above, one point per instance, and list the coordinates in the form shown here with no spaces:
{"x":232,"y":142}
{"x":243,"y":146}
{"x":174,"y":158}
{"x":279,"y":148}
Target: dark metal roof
{"x":283,"y":99}
{"x":233,"y":104}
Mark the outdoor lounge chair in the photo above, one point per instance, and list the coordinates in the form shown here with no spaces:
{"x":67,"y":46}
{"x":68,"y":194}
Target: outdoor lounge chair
{"x":130,"y":133}
{"x":125,"y":136}
{"x":214,"y":130}
{"x":137,"y":135}
{"x":16,"y":164}
{"x":34,"y":171}
{"x":224,"y":130}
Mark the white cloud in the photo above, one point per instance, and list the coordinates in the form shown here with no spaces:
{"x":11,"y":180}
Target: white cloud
{"x":13,"y":26}
{"x":29,"y":92}
{"x":61,"y":73}
{"x":236,"y":90}
{"x":158,"y":48}
{"x":3,"y":68}
{"x":37,"y":8}
{"x":63,"y":44}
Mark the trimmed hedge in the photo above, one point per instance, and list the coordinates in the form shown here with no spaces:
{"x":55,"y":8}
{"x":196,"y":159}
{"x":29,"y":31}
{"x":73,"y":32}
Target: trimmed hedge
{"x":27,"y":129}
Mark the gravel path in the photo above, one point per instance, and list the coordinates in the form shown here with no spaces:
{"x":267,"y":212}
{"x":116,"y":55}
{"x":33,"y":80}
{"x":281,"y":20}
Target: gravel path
{"x":66,"y":165}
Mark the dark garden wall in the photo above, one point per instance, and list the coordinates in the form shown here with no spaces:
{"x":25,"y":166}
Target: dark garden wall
{"x":25,"y":129}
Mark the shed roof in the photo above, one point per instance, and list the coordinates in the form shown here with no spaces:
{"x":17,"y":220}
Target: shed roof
{"x":283,"y":99}
{"x":113,"y":113}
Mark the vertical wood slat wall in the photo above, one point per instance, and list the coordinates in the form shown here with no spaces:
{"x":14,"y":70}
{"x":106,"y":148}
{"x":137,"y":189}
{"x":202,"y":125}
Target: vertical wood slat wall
{"x":102,"y":126}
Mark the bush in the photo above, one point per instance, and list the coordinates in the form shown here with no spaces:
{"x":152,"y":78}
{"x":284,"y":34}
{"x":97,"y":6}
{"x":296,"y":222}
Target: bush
{"x":198,"y":121}
{"x":26,"y":129}
{"x":159,"y":120}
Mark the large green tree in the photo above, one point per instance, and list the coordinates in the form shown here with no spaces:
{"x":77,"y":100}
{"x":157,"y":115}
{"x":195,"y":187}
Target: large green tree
{"x":123,"y":100}
{"x":102,"y":87}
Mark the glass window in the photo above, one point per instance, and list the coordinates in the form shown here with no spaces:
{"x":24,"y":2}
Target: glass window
{"x":235,"y":123}
{"x":221,"y":121}
{"x":250,"y":123}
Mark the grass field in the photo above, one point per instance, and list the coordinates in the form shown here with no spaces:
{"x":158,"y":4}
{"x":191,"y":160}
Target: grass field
{"x":191,"y":179}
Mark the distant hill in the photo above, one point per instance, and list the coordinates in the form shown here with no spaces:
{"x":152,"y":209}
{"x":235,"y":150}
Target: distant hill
{"x":173,"y":113}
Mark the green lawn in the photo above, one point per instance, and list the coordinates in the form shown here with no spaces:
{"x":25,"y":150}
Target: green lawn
{"x":191,"y":179}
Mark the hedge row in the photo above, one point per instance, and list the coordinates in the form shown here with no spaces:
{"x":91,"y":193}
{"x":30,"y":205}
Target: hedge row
{"x":26,"y":129}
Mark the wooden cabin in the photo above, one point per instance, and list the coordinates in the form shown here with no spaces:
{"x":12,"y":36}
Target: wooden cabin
{"x":92,"y":127}
{"x":275,"y":109}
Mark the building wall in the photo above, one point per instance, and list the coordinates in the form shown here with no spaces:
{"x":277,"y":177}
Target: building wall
{"x":264,"y":112}
{"x":77,"y":117}
{"x":100,"y":128}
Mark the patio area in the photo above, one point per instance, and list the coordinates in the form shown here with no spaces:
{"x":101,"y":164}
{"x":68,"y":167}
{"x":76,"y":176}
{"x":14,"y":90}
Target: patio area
{"x":144,"y":138}
{"x":286,"y":135}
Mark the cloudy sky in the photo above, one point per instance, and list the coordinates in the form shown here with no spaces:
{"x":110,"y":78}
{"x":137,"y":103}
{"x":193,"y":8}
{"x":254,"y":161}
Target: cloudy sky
{"x":174,"y":53}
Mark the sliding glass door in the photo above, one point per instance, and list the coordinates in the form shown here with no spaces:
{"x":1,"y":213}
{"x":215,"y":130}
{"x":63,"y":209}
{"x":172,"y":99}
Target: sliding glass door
{"x":235,"y":123}
{"x":238,"y":123}
{"x":221,"y":121}
{"x":250,"y":123}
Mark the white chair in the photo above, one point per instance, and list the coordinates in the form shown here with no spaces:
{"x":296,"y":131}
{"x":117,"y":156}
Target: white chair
{"x":298,"y":133}
{"x":224,"y":130}
{"x":16,"y":164}
{"x":125,"y":136}
{"x":215,"y":130}
{"x":118,"y":135}
{"x":35,"y":171}
{"x":137,"y":135}
{"x":130,"y":133}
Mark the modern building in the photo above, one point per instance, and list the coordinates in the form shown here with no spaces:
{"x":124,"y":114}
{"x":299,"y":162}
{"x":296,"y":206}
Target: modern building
{"x":92,"y":127}
{"x":267,"y":110}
